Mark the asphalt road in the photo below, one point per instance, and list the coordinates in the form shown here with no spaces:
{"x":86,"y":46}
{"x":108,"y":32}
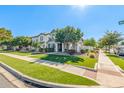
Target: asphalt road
{"x":4,"y":83}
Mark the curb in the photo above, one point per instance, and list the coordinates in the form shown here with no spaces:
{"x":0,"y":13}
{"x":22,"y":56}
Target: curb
{"x":26,"y":78}
{"x":120,"y":69}
{"x":12,"y":79}
{"x":86,"y":68}
{"x":96,"y":67}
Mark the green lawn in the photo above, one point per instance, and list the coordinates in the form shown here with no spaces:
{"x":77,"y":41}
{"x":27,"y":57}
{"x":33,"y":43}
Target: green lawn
{"x":117,"y":60}
{"x":46,"y":73}
{"x":17,"y":52}
{"x":74,"y":60}
{"x":21,"y":53}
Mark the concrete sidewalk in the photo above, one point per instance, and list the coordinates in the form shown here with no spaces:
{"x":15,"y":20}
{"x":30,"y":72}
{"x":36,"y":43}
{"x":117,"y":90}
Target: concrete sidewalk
{"x":7,"y":80}
{"x":63,"y":67}
{"x":108,"y":74}
{"x":4,"y":83}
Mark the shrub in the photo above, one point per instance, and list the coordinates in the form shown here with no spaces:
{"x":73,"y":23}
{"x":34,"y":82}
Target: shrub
{"x":82,"y":51}
{"x":46,"y":50}
{"x":92,"y":55}
{"x":33,"y":50}
{"x":41,"y":50}
{"x":71,"y":51}
{"x":97,"y":51}
{"x":66,"y":50}
{"x":92,"y":51}
{"x":17,"y":49}
{"x":50,"y":49}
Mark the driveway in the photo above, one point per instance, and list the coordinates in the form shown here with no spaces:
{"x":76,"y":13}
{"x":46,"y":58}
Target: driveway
{"x":4,"y":83}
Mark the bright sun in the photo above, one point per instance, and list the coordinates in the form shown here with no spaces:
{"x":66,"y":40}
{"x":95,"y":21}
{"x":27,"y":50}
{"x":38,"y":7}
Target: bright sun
{"x":79,"y":7}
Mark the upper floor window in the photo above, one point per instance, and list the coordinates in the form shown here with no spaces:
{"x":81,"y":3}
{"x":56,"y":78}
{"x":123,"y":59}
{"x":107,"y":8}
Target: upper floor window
{"x":41,"y":38}
{"x":36,"y":40}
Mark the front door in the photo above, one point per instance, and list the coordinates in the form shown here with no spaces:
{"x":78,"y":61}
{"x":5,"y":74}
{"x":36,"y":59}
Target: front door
{"x":60,"y":47}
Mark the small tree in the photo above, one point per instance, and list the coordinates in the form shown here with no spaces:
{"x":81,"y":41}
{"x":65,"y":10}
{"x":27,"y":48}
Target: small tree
{"x":8,"y":44}
{"x":68,"y":35}
{"x":21,"y":41}
{"x":102,"y":43}
{"x":90,"y":42}
{"x":5,"y":37}
{"x":110,"y":39}
{"x":36,"y":45}
{"x":122,"y":43}
{"x":59,"y":35}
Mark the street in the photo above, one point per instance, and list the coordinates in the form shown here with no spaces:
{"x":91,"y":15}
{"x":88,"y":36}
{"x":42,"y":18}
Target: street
{"x":4,"y":83}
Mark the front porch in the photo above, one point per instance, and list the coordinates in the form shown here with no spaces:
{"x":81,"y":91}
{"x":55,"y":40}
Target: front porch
{"x":64,"y":47}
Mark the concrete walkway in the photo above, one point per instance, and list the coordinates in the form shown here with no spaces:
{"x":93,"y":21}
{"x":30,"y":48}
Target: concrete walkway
{"x":63,"y":67}
{"x":108,"y":74}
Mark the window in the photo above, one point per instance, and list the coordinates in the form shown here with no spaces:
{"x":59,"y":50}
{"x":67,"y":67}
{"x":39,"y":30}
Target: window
{"x":49,"y":46}
{"x":36,"y":40}
{"x":41,"y":38}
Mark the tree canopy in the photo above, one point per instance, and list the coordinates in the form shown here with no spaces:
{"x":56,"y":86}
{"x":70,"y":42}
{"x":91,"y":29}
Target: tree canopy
{"x":21,"y":41}
{"x":110,"y":38}
{"x":5,"y":35}
{"x":90,"y":42}
{"x":68,"y":34}
{"x":60,"y":35}
{"x":37,"y":44}
{"x":122,"y":43}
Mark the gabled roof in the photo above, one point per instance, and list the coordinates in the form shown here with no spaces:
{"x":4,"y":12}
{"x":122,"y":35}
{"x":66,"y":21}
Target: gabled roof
{"x":40,"y":34}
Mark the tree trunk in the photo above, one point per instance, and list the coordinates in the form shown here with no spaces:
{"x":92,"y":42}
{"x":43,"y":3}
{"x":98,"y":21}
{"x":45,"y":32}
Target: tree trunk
{"x":109,"y":48}
{"x":106,"y":48}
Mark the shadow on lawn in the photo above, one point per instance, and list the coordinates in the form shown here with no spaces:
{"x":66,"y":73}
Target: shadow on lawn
{"x":61,"y":58}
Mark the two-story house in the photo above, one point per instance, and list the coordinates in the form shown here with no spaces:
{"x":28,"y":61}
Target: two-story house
{"x":48,"y":41}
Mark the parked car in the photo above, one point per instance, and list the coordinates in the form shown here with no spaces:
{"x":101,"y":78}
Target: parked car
{"x":120,"y":50}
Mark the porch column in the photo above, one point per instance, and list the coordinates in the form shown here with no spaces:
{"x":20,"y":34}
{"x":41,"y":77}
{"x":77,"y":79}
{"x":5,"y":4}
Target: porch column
{"x":56,"y":47}
{"x":70,"y":46}
{"x":78,"y":48}
{"x":63,"y":49}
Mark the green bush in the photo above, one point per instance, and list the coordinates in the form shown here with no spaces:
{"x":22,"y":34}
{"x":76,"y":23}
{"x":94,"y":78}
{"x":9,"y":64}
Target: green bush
{"x":92,"y":51}
{"x":41,"y":50}
{"x":97,"y":51}
{"x":46,"y":50}
{"x":83,"y":51}
{"x":50,"y":49}
{"x":92,"y":55}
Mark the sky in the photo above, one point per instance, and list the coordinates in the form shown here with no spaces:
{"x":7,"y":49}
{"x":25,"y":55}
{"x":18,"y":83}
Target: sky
{"x":93,"y":21}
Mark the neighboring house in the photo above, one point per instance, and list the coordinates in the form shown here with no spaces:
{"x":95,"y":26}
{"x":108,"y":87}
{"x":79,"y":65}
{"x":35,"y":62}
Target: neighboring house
{"x":48,"y":41}
{"x":120,"y":49}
